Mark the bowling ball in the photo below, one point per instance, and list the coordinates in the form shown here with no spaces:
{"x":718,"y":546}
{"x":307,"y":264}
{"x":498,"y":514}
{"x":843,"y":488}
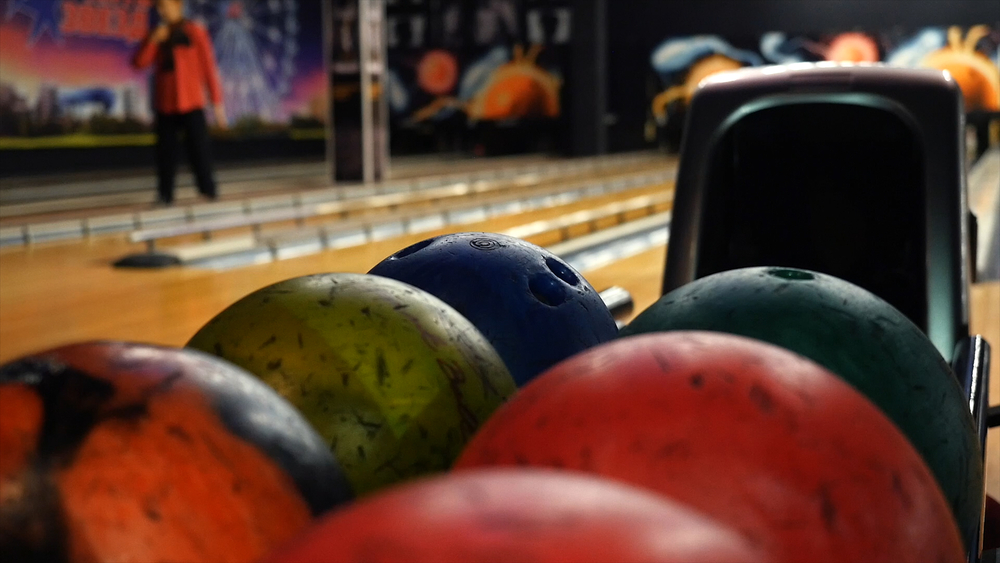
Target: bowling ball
{"x":750,"y":434}
{"x":857,"y":336}
{"x":526,"y":514}
{"x":113,"y":451}
{"x":392,"y":378}
{"x":534,"y":308}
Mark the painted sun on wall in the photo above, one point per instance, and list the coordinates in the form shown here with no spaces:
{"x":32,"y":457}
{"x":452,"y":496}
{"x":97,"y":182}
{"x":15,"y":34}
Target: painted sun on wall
{"x":970,"y":55}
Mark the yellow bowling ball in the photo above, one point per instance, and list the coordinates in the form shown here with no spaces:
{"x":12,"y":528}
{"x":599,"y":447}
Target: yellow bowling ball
{"x":394,"y":380}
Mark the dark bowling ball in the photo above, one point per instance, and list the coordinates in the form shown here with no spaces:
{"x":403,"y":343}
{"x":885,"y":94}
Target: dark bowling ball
{"x":534,"y":308}
{"x":128,"y":452}
{"x":857,"y":336}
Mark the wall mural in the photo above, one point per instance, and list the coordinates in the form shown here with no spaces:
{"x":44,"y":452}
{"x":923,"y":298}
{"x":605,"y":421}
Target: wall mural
{"x":66,"y":81}
{"x":503,"y":84}
{"x":970,"y":55}
{"x":472,"y":62}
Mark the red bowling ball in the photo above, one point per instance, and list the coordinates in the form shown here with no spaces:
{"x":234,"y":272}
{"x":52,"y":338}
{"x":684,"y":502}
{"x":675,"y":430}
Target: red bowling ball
{"x":750,"y":434}
{"x":529,"y":515}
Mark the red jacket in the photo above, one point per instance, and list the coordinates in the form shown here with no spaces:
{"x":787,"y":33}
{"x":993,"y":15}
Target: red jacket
{"x":181,"y":89}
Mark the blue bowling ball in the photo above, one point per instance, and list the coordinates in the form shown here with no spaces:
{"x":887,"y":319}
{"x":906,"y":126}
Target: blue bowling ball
{"x":534,"y":308}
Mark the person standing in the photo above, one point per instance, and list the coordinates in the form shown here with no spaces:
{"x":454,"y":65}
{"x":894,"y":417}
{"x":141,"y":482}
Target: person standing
{"x":184,"y":65}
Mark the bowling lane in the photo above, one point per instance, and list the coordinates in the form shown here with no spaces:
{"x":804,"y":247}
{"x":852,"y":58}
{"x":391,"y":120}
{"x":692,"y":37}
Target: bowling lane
{"x":60,"y":292}
{"x":488,"y":185}
{"x":505,"y":189}
{"x":640,"y":274}
{"x":985,"y":320}
{"x":34,"y":199}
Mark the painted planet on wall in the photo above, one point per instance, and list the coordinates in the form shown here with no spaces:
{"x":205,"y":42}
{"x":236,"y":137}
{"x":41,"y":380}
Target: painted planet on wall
{"x":852,"y":47}
{"x":437,"y":72}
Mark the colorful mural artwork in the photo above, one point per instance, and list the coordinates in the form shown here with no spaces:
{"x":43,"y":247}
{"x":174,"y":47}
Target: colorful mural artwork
{"x":485,"y":62}
{"x":970,"y":55}
{"x":684,"y":62}
{"x":976,"y":74}
{"x":499,"y":87}
{"x":65,"y":77}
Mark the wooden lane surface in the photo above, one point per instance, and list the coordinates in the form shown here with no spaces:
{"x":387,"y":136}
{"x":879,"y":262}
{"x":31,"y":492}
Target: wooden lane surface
{"x":395,"y":205}
{"x":642,"y":276}
{"x":56,"y":293}
{"x":985,"y":320}
{"x":495,"y":225}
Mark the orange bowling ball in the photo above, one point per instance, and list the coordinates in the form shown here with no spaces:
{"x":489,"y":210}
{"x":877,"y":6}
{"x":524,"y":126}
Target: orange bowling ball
{"x":528,"y":515}
{"x":122,"y":452}
{"x":748,"y":433}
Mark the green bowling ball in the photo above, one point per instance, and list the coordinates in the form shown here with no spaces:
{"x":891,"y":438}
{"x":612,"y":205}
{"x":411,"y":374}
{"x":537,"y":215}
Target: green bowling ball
{"x":859,"y":337}
{"x":393,"y":379}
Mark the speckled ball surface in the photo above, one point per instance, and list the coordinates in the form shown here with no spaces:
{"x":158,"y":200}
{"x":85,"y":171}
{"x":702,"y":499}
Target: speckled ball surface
{"x":857,"y":336}
{"x":393,"y":379}
{"x":532,"y":306}
{"x":119,"y":451}
{"x":750,"y":434}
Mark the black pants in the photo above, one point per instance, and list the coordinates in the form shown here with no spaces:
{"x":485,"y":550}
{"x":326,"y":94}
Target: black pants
{"x":195,"y":142}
